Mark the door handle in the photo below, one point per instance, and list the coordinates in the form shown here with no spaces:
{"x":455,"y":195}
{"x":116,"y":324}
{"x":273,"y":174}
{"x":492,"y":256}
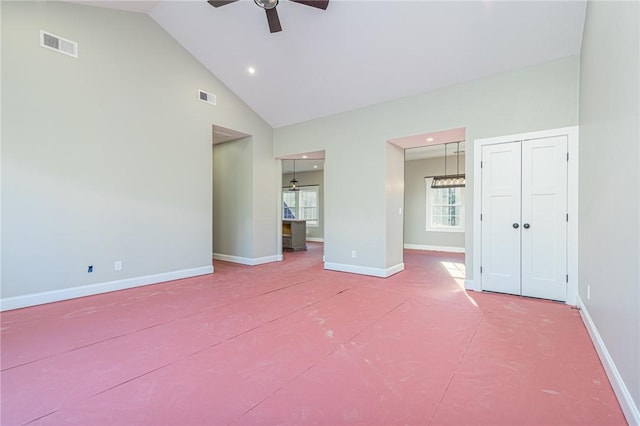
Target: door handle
{"x":516,"y":226}
{"x":526,"y":226}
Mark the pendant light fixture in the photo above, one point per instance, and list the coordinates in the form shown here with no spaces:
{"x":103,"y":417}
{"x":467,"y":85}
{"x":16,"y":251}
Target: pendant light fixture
{"x":450,"y":181}
{"x":293,"y":183}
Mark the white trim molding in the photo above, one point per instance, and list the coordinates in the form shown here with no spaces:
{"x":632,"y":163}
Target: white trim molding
{"x":315,"y":239}
{"x":472,"y":285}
{"x":572,"y":203}
{"x":447,"y":249}
{"x":250,"y":261}
{"x":17,"y":302}
{"x":629,"y":408}
{"x":364,"y":270}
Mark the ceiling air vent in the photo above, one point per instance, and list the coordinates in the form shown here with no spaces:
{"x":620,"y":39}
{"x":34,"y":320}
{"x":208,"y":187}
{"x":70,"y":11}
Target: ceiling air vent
{"x":207,"y":97}
{"x":59,"y":44}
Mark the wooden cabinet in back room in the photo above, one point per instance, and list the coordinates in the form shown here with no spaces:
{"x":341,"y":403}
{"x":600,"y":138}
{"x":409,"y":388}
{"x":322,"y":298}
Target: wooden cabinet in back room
{"x":294,"y":235}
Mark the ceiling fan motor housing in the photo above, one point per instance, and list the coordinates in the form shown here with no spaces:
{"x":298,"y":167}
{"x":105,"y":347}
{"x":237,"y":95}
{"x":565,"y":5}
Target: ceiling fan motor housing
{"x":266,"y":4}
{"x":269,"y":6}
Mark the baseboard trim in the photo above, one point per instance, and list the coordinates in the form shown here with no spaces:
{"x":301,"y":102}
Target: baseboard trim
{"x":471,"y":285}
{"x":395,"y":269}
{"x":315,"y":239}
{"x":364,"y":270}
{"x":17,"y":302}
{"x":447,"y":249}
{"x":629,"y":408}
{"x":250,"y":261}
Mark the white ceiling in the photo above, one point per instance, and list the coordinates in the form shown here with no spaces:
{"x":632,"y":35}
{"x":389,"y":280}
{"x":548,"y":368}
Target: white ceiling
{"x":433,"y":151}
{"x":142,"y":6}
{"x":302,"y":165}
{"x":361,"y":52}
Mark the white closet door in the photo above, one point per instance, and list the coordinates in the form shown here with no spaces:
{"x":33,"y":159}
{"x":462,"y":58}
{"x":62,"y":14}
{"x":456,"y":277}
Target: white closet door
{"x":544,"y":221}
{"x":501,"y":197}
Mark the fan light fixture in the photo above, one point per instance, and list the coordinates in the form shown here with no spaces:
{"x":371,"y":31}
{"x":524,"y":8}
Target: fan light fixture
{"x":450,"y":181}
{"x":266,"y":4}
{"x":293,"y":183}
{"x":269,"y":7}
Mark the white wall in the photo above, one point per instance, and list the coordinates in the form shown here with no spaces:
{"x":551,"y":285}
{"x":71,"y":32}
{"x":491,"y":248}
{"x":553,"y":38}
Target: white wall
{"x":535,"y":98}
{"x":394,"y":194}
{"x":265,"y":194}
{"x":609,"y":227}
{"x":108,"y":157}
{"x":415,"y":232}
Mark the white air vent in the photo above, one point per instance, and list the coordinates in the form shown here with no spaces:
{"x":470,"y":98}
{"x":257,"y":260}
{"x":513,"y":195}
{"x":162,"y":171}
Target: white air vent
{"x":207,"y":97}
{"x":59,"y":44}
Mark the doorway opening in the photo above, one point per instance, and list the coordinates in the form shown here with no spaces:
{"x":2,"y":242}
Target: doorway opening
{"x":231,"y":162}
{"x":302,"y":202}
{"x":433,"y":218}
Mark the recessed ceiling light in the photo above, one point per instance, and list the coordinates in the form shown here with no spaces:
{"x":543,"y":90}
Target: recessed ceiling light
{"x":304,"y":157}
{"x":429,"y":139}
{"x":251,"y":70}
{"x":315,"y":167}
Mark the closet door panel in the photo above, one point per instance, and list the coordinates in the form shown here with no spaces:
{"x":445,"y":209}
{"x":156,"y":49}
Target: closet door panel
{"x":501,"y":195}
{"x":544,"y":222}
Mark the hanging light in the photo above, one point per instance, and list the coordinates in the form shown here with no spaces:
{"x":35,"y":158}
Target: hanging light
{"x":293,"y":183}
{"x":450,"y":181}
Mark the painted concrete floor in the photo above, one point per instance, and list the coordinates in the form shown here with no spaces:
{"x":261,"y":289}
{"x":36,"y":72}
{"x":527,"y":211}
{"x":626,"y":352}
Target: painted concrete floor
{"x":292,"y":344}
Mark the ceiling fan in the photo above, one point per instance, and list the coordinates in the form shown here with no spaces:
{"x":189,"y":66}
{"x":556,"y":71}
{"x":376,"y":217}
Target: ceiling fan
{"x":269,"y":6}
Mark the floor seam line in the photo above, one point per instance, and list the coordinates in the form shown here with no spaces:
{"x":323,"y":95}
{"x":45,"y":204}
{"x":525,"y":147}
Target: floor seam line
{"x":289,"y":382}
{"x":68,"y":351}
{"x":202,"y":350}
{"x":374,"y":322}
{"x":152,"y":326}
{"x":349,"y":340}
{"x":455,"y":371}
{"x":265,"y":323}
{"x":131,"y":379}
{"x":214,"y":345}
{"x":40,"y":417}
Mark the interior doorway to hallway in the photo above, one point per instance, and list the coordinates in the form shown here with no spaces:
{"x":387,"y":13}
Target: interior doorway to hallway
{"x":302,"y":201}
{"x":231,"y":162}
{"x":434,"y":218}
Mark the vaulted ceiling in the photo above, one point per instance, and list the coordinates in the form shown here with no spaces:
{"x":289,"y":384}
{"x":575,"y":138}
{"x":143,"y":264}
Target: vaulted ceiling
{"x":362,"y":52}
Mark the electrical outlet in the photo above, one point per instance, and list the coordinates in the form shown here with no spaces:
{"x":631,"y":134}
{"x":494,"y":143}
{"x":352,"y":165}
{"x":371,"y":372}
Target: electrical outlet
{"x":588,"y":291}
{"x":89,"y":269}
{"x":400,"y":211}
{"x":117,"y":265}
{"x":353,"y":253}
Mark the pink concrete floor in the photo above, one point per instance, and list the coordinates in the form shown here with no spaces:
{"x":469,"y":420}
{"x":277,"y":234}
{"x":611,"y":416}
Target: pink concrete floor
{"x":290,"y":343}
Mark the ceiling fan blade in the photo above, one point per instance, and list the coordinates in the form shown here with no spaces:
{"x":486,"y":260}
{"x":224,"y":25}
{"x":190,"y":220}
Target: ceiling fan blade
{"x":320,"y":4}
{"x":274,"y":21}
{"x":218,"y":3}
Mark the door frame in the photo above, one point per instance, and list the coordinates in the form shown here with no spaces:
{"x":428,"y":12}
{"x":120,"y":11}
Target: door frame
{"x":572,"y":203}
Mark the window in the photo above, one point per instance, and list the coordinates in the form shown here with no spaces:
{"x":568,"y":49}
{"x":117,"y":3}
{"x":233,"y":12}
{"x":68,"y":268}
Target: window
{"x":301,"y":205}
{"x":289,"y":209}
{"x":445,"y":208}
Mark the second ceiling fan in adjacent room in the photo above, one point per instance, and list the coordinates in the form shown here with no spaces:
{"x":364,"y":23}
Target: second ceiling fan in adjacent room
{"x":269,"y":7}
